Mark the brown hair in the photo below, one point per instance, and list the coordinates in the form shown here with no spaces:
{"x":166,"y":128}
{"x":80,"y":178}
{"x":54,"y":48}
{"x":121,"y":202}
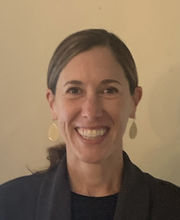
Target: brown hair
{"x":79,"y":42}
{"x":85,"y":40}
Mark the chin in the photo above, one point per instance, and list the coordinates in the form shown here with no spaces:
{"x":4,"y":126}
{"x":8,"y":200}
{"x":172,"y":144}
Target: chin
{"x":92,"y":156}
{"x":92,"y":151}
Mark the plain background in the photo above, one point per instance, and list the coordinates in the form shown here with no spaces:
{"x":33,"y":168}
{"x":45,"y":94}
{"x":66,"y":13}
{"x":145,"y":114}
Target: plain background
{"x":30,"y":31}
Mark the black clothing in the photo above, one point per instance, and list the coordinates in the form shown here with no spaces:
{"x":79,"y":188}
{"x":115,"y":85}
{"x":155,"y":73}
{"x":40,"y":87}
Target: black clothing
{"x":47,"y":196}
{"x":92,"y":208}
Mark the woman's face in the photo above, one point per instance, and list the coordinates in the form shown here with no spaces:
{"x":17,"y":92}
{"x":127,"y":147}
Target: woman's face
{"x":92,"y":105}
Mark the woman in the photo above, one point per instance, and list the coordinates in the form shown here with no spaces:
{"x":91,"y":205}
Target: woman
{"x":92,"y":92}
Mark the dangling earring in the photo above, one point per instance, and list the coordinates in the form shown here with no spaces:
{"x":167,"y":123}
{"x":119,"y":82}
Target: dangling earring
{"x":53,"y":132}
{"x":133,"y":130}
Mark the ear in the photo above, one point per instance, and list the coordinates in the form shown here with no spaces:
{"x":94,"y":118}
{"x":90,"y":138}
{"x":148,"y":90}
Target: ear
{"x":51,"y":100}
{"x":136,"y":97}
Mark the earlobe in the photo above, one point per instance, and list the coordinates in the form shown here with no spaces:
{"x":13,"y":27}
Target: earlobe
{"x":136,"y":99}
{"x":51,"y":100}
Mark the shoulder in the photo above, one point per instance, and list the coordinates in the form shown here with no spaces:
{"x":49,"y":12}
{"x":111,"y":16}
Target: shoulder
{"x":19,"y":195}
{"x":162,"y":187}
{"x":164,"y":197}
{"x":21,"y":183}
{"x":158,"y":188}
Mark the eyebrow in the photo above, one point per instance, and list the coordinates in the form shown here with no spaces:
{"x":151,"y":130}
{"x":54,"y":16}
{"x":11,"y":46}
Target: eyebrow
{"x":75,"y":82}
{"x":105,"y":81}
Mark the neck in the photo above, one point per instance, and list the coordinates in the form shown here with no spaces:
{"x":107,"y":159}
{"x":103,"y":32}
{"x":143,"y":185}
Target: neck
{"x":96,"y":179}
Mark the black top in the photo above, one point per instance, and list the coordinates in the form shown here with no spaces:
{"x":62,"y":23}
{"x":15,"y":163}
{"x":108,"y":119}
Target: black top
{"x":93,"y":208}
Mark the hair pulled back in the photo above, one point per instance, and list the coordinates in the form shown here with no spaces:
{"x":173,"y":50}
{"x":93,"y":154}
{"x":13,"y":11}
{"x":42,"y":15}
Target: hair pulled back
{"x":85,"y":40}
{"x":77,"y":43}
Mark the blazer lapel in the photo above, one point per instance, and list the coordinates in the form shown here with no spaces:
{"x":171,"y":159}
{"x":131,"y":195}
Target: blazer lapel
{"x":133,"y":200}
{"x":54,"y":201}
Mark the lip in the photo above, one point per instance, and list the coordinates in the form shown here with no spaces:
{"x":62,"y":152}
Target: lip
{"x":93,"y":127}
{"x":97,"y":140}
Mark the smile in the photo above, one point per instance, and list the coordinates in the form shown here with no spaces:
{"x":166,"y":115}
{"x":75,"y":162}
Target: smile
{"x":91,"y":133}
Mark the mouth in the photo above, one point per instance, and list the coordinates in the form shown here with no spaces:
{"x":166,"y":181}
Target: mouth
{"x":92,"y":133}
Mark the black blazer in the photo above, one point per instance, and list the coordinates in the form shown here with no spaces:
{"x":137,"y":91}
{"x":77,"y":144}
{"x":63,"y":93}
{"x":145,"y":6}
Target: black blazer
{"x":47,"y":196}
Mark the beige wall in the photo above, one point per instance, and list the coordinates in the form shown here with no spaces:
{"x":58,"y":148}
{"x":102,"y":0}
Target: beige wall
{"x":30,"y":31}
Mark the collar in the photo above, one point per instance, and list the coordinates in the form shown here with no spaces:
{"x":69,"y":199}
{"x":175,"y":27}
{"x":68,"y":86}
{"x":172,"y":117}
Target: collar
{"x":133,"y":200}
{"x":54,"y":200}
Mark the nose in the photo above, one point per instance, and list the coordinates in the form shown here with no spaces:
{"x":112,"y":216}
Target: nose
{"x":92,"y":107}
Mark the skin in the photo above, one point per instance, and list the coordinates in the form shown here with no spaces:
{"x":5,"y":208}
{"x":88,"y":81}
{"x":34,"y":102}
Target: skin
{"x":93,"y":93}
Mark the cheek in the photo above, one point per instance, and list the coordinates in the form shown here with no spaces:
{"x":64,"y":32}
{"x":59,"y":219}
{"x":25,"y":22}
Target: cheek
{"x":119,"y":113}
{"x":65,"y":114}
{"x":118,"y":110}
{"x":63,"y":122}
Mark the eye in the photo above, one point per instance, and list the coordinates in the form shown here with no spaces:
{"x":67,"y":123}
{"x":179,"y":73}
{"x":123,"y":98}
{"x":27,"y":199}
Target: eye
{"x":74,"y":91}
{"x":110,"y":90}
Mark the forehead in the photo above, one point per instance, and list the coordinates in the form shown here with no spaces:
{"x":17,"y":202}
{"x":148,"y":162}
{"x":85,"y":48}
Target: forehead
{"x":95,"y":64}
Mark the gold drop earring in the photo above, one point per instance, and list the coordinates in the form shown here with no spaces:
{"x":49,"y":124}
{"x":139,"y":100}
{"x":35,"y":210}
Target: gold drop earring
{"x":53,"y":132}
{"x":133,"y":130}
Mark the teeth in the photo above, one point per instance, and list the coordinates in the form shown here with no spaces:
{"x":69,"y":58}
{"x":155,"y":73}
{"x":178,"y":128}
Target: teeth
{"x":91,"y":133}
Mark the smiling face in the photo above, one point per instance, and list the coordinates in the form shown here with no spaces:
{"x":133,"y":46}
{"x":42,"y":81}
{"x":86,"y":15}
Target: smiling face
{"x":92,"y":105}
